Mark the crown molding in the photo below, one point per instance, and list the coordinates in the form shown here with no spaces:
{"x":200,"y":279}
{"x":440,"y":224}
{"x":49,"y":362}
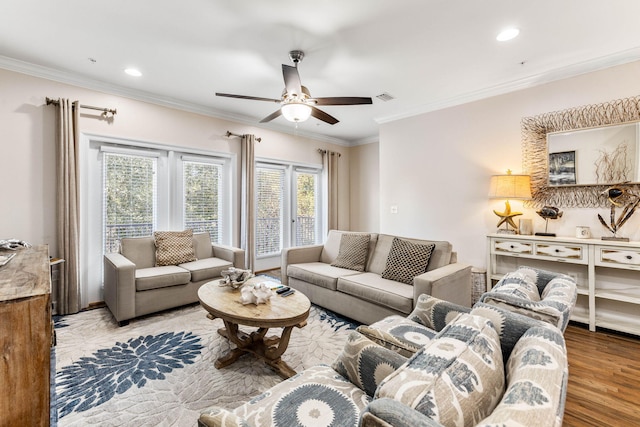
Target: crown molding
{"x":573,"y":70}
{"x":66,"y":77}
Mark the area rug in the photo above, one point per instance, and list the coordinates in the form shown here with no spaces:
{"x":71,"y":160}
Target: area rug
{"x":158,"y":370}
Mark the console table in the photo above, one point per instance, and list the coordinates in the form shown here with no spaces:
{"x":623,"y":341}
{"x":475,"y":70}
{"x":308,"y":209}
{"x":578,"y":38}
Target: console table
{"x":607,"y":273}
{"x":25,"y":338}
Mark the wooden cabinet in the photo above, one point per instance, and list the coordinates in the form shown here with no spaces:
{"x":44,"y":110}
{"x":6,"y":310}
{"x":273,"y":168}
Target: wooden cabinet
{"x":607,"y":273}
{"x":25,"y":338}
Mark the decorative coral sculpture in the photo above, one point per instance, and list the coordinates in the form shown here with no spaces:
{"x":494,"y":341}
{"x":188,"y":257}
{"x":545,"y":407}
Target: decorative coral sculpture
{"x":257,"y":294}
{"x":619,"y":197}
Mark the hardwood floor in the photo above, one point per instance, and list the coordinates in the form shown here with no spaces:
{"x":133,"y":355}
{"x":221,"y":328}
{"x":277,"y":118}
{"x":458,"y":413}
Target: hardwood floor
{"x":604,"y":378}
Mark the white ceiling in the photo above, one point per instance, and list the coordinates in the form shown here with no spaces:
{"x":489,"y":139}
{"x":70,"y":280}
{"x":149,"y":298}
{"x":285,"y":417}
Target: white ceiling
{"x":427,"y":54}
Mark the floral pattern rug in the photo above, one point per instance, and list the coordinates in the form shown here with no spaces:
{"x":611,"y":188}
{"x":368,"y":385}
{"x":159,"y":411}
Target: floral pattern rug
{"x":158,"y":370}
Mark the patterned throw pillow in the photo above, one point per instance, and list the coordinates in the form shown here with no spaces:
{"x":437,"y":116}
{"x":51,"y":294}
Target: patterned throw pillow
{"x":365,"y":363}
{"x":457,"y":379}
{"x":353,"y":251}
{"x":174,"y":247}
{"x":519,"y":285}
{"x":406,"y":260}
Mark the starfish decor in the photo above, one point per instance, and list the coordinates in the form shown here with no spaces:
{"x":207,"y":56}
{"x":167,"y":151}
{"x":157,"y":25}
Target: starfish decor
{"x":506,"y":217}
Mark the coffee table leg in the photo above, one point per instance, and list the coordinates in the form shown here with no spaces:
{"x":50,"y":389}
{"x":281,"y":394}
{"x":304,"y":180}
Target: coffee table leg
{"x":270,"y":349}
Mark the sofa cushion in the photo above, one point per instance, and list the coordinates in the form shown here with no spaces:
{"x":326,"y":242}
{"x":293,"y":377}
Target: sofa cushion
{"x":318,"y":273}
{"x":406,"y":260}
{"x":315,"y":396}
{"x":399,"y":334}
{"x":208,"y":268}
{"x":353,"y":252}
{"x":331,"y":246}
{"x":202,"y":245}
{"x":440,"y":256}
{"x":161,"y":277}
{"x":365,"y":363}
{"x":373,"y":288}
{"x":139,"y":250}
{"x":457,"y":379}
{"x":174,"y":247}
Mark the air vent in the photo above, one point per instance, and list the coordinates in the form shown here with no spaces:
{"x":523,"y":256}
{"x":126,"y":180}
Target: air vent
{"x":385,"y":97}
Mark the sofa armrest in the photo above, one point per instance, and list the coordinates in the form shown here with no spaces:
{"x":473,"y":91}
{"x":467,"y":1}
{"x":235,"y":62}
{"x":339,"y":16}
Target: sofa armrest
{"x":218,"y":417}
{"x":298,"y":255}
{"x":385,"y":412}
{"x":230,"y":253}
{"x":120,"y":286}
{"x":450,"y":283}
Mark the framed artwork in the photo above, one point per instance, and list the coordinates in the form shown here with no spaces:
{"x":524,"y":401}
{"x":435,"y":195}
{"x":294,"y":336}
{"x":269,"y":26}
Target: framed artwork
{"x":562,"y":168}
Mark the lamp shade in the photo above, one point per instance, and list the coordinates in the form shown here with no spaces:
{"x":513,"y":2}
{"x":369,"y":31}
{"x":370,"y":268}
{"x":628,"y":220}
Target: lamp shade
{"x":296,"y":112}
{"x":513,"y":187}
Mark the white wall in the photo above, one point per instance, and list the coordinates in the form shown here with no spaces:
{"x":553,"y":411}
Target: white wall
{"x":365,"y":187}
{"x":436,"y":167}
{"x":27,"y":156}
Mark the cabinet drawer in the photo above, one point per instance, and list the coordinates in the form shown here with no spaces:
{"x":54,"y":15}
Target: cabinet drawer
{"x":612,"y":257}
{"x":512,"y":246}
{"x":569,"y":252}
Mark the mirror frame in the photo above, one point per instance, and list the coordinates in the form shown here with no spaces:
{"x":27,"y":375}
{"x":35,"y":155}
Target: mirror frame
{"x":536,"y":157}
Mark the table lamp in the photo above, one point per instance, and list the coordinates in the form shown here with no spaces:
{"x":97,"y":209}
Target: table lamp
{"x":509,"y":187}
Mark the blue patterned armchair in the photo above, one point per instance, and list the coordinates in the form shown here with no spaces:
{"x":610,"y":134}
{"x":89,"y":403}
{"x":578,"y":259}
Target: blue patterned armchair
{"x":483,"y":366}
{"x":539,"y":294}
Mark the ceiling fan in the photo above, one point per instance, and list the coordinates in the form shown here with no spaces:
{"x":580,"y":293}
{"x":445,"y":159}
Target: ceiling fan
{"x":296,"y":103}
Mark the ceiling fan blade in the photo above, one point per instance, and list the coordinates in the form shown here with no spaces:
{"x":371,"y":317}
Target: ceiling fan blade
{"x":321,"y":115}
{"x":291,"y":80}
{"x":254,"y":98}
{"x":343,"y":100}
{"x":272,"y":116}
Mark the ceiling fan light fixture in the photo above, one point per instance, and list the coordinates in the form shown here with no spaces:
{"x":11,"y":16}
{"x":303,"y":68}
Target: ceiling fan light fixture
{"x":296,"y":112}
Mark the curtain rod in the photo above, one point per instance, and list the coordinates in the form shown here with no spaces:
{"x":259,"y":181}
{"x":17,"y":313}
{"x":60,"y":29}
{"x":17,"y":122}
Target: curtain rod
{"x":323,"y":152}
{"x":229,"y":133}
{"x":105,"y":111}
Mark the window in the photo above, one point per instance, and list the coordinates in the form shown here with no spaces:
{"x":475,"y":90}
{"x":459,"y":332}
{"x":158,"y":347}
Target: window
{"x":307,"y":220}
{"x":202,"y":201}
{"x":287,"y":207}
{"x":135,"y":188}
{"x":129,"y":203}
{"x":269,"y":210}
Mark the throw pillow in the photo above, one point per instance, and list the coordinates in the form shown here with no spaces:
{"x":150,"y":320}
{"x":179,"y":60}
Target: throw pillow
{"x":353,"y":251}
{"x":457,"y":379}
{"x":519,"y":285}
{"x":406,"y":260}
{"x":365,"y":363}
{"x":174,"y":247}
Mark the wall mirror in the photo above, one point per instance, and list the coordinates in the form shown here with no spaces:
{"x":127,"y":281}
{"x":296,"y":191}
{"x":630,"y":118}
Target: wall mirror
{"x":564,"y":173}
{"x":601,"y":155}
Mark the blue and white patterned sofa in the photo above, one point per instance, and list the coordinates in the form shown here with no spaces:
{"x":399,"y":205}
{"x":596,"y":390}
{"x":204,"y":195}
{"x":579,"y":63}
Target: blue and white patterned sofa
{"x":443,"y":365}
{"x":535,"y":293}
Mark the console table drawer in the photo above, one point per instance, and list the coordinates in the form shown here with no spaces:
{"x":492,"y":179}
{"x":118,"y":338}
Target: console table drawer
{"x":513,"y":247}
{"x":611,"y":257}
{"x":575,"y":253}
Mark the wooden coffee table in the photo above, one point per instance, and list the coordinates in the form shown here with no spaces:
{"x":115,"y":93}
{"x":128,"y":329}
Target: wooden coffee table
{"x":279,"y":312}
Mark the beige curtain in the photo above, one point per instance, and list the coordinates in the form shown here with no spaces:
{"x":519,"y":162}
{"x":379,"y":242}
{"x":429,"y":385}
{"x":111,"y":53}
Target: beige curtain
{"x":248,"y":209}
{"x":330,"y":166}
{"x":68,"y":206}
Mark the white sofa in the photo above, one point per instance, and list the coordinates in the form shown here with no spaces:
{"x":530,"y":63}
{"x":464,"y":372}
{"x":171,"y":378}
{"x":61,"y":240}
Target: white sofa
{"x":135,"y":286}
{"x":366,"y":296}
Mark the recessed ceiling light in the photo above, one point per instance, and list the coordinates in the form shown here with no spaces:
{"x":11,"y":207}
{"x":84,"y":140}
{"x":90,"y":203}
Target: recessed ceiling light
{"x":133,"y":72}
{"x":508,"y":34}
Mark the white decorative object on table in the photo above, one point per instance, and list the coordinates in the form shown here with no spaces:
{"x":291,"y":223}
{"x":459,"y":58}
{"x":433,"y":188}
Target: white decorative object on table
{"x":235,"y":277}
{"x":256,"y":294}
